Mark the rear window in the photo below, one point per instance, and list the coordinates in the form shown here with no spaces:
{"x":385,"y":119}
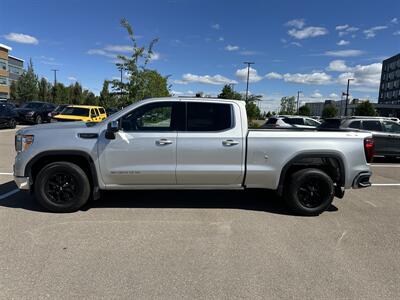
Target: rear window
{"x":208,"y":116}
{"x":271,"y":121}
{"x":102,"y":110}
{"x":76,"y":111}
{"x":372,"y":125}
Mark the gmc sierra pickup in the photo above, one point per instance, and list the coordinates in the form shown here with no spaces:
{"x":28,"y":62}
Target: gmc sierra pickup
{"x":172,"y":143}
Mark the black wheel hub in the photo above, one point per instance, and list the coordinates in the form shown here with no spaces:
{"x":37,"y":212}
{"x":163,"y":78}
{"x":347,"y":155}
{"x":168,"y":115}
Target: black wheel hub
{"x":61,"y":188}
{"x":312,"y":193}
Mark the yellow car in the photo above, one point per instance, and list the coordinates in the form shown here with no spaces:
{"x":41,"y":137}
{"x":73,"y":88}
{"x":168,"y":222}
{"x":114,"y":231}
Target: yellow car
{"x":86,"y":113}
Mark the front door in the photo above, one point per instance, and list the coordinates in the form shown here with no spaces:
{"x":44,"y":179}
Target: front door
{"x":392,"y":130}
{"x":144,"y":150}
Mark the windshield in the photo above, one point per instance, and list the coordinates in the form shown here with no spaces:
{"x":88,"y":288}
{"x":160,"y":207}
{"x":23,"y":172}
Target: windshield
{"x":59,"y":108}
{"x":34,"y":105}
{"x":76,"y":111}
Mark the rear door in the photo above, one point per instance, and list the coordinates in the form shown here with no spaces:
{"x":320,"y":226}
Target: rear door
{"x":211,"y":150}
{"x":382,"y":143}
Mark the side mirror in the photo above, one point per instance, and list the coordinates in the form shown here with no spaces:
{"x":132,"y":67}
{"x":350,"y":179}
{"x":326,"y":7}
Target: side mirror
{"x":112,"y":128}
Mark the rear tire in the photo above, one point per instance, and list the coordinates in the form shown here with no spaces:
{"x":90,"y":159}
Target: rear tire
{"x":309,"y":192}
{"x":12,"y":124}
{"x":62,"y":187}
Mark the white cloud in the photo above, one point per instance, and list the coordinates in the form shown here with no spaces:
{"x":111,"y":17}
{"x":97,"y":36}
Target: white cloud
{"x":342,"y":27}
{"x":206,"y":79}
{"x":396,"y":32}
{"x":231,"y":48}
{"x":249,"y":52}
{"x":308,"y":32}
{"x":253,"y":75}
{"x":338,"y":66}
{"x":371,"y":32}
{"x":364,"y":75}
{"x":221,"y":39}
{"x":333,"y":96}
{"x":155,"y":56}
{"x":344,"y":53}
{"x":119,"y":48}
{"x":317,"y":78}
{"x":316,"y":95}
{"x":21,"y":38}
{"x":297,"y":44}
{"x":297,"y":23}
{"x":101,"y":52}
{"x":216,"y":26}
{"x":346,"y":29}
{"x":342,"y":43}
{"x":273,"y":75}
{"x":394,"y":21}
{"x":72,"y":78}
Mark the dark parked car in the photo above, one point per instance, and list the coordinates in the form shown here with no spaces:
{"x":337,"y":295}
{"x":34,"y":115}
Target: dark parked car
{"x":35,"y":112}
{"x":8,"y":115}
{"x":385,"y":132}
{"x":57,"y":110}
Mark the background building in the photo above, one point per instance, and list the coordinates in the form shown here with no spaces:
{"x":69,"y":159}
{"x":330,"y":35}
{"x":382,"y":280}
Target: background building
{"x":316,"y":108}
{"x":11,"y":69}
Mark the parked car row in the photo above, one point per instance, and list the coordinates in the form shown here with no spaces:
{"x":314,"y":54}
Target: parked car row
{"x":37,"y":112}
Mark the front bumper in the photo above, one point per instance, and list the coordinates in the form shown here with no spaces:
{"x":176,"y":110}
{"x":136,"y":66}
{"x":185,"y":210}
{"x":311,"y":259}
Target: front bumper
{"x":362,"y":180}
{"x":22,"y":183}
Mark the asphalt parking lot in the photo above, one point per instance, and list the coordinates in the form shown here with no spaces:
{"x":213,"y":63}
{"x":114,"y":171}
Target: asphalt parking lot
{"x":218,"y":245}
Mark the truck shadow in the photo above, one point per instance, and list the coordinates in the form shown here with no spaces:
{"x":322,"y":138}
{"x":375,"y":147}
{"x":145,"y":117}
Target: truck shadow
{"x":255,"y":200}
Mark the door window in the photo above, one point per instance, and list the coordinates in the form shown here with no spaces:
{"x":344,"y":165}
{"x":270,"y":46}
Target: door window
{"x":372,"y":125}
{"x":209,"y":116}
{"x":310,"y":122}
{"x":150,"y":117}
{"x":355,"y":124}
{"x":391,"y":126}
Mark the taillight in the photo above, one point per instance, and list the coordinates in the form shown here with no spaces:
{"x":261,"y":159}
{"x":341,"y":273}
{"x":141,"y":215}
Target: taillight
{"x":369,"y":149}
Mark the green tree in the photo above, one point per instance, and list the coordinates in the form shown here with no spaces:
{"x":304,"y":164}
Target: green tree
{"x":228,"y":93}
{"x":44,"y":90}
{"x":329,"y":111}
{"x":304,"y":110}
{"x":75,"y":93}
{"x":27,"y":87}
{"x":61,"y":93}
{"x":88,"y":98}
{"x":14,"y":90}
{"x":288,"y":106}
{"x":365,"y":109}
{"x":141,"y":82}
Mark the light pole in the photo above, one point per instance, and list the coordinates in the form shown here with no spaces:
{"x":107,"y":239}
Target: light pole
{"x":55,"y":83}
{"x":347,"y":95}
{"x":248,"y":75}
{"x":298,"y":98}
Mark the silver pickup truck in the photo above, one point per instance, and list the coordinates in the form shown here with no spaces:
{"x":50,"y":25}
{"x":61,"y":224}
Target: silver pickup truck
{"x":172,"y":143}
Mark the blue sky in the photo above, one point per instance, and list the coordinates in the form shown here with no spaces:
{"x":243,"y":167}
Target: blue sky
{"x":311,"y":46}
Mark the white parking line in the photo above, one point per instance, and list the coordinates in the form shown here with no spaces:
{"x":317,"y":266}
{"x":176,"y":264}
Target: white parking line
{"x":7,"y":174}
{"x":4,"y":196}
{"x":386,"y":166}
{"x":386,"y":184}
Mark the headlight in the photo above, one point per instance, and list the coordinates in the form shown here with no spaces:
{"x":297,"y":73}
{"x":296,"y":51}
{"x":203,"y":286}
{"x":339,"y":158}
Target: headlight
{"x":23,"y":142}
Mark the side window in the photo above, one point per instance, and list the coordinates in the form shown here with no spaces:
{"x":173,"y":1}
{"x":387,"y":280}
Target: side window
{"x":355,"y":124}
{"x":310,"y":122}
{"x":93,"y":113}
{"x":209,"y":116}
{"x":150,"y":117}
{"x":372,"y":125}
{"x":102,"y":111}
{"x":391,"y":127}
{"x":97,"y":111}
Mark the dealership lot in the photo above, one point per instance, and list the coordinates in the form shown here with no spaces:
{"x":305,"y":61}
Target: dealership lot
{"x":200,"y":244}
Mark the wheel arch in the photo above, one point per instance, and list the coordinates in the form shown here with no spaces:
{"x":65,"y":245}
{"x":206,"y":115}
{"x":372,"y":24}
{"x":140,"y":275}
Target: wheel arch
{"x":80,"y":158}
{"x":331,"y":162}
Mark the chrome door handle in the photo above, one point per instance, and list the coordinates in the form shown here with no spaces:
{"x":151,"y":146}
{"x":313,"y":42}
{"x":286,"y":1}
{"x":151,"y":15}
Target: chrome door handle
{"x":229,"y":143}
{"x":163,"y":142}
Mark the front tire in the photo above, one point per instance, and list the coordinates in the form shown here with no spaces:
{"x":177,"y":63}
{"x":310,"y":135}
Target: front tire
{"x":38,"y":120}
{"x":12,"y":124}
{"x":62,"y":187}
{"x":309,"y":192}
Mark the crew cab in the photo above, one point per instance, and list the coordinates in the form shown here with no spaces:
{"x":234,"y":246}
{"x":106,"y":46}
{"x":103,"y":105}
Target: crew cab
{"x":179,"y":143}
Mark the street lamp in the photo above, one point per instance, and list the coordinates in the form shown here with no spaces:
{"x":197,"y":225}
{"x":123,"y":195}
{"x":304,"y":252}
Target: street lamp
{"x":347,"y":95}
{"x":248,"y":75}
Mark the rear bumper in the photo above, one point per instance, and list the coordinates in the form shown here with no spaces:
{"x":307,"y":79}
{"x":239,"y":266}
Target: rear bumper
{"x":22,"y":182}
{"x":362,"y":180}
